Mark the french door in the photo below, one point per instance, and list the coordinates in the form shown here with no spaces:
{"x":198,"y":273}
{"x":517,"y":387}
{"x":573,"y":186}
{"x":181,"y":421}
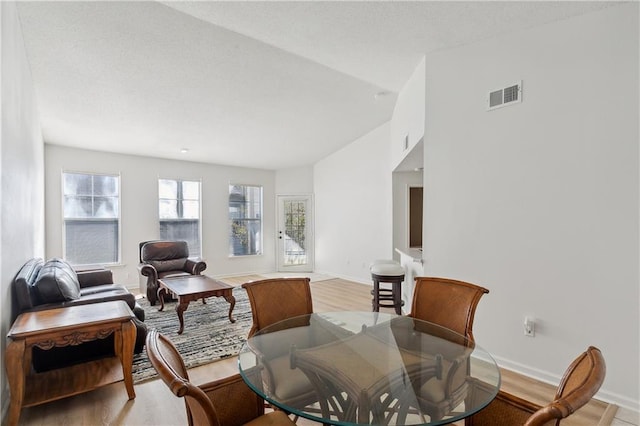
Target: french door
{"x":295,"y":233}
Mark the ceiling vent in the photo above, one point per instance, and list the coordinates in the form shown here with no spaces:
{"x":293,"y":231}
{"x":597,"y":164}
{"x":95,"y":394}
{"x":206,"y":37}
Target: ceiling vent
{"x":506,"y":96}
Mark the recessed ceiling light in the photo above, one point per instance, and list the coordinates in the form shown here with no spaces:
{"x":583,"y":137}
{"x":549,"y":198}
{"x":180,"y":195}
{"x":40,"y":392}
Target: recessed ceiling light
{"x":184,"y":150}
{"x":380,"y":94}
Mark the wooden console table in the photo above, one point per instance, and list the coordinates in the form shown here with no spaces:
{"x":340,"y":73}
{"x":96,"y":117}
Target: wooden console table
{"x":63,"y":327}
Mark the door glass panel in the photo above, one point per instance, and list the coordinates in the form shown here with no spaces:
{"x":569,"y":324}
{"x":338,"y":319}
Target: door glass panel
{"x":294,"y":232}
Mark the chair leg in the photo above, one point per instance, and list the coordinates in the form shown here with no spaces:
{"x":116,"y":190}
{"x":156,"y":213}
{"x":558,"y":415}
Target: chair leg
{"x":397,"y":299}
{"x":376,"y":296}
{"x":391,"y":298}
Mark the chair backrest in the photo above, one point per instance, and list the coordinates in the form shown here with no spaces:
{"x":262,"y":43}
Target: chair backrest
{"x":579,"y":384}
{"x":446,"y":302}
{"x":167,"y":361}
{"x":277,"y":299}
{"x":163,"y":250}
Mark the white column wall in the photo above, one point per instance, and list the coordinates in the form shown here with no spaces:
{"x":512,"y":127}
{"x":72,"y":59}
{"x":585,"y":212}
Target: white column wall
{"x":408,"y":119}
{"x":353,"y":197}
{"x":539,"y":201}
{"x":22,"y":165}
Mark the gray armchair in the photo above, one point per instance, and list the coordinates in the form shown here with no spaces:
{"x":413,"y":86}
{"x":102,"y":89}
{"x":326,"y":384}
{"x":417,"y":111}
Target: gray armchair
{"x":163,"y":259}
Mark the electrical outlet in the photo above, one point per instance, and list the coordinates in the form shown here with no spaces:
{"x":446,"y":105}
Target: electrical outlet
{"x":529,"y":327}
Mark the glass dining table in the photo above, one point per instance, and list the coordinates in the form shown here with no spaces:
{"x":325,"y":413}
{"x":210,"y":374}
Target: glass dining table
{"x":357,"y":368}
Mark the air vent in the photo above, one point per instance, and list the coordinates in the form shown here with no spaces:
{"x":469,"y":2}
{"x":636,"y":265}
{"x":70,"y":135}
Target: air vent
{"x":506,"y":96}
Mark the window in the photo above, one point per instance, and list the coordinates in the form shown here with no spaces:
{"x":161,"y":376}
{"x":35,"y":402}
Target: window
{"x":91,"y":218}
{"x":179,"y":212}
{"x":245,"y":220}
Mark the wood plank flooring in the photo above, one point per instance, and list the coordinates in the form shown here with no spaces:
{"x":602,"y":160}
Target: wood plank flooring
{"x":156,"y":405}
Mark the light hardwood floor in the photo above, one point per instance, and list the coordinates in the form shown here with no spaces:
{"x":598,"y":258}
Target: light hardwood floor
{"x":155,"y":405}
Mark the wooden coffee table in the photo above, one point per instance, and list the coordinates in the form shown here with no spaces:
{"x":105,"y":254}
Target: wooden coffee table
{"x":193,"y":287}
{"x":72,"y":325}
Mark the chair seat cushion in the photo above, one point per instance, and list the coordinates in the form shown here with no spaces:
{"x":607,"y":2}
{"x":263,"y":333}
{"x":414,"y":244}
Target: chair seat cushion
{"x":382,"y":262}
{"x":387,"y":269}
{"x":297,"y":383}
{"x":172,"y":273}
{"x":275,"y":418}
{"x":433,"y":390}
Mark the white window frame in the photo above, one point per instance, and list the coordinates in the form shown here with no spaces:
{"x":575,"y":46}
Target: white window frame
{"x":199,"y":181}
{"x":64,"y":218}
{"x":260,"y":242}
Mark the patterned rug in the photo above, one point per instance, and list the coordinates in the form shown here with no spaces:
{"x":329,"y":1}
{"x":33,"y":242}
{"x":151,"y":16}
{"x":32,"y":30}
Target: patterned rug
{"x":208,"y":335}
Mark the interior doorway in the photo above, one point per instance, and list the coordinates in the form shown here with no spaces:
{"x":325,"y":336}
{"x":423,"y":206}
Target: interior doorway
{"x":415,"y":217}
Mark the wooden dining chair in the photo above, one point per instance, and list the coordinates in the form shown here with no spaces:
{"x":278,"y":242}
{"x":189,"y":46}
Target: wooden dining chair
{"x":579,"y":384}
{"x":450,"y":304}
{"x":273,"y":300}
{"x":277,"y":299}
{"x":228,"y":401}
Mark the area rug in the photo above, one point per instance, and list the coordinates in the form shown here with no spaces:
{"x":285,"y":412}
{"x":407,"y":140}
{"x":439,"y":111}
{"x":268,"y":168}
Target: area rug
{"x":208,"y":334}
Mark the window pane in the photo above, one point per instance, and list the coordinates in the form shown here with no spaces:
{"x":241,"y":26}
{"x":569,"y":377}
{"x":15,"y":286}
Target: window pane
{"x":77,"y":184}
{"x":168,"y":209}
{"x":105,"y":185}
{"x":105,"y":207}
{"x":89,"y":242}
{"x":179,"y":212}
{"x":91,"y":213}
{"x":254,"y":210}
{"x":76,"y":207}
{"x":167,"y":188}
{"x":239,"y":238}
{"x":190,"y":209}
{"x":190,"y":190}
{"x":185,"y":230}
{"x":245,"y":218}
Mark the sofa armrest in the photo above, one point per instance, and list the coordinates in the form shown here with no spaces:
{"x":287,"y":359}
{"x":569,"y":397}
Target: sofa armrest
{"x":94,"y":277}
{"x":195,"y":266}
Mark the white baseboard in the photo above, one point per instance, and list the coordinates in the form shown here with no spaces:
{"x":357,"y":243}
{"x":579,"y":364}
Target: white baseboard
{"x":346,"y":277}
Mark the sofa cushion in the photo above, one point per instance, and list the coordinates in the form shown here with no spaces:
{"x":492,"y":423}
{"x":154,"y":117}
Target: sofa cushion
{"x":109,"y":293}
{"x":57,"y":282}
{"x":104,"y":288}
{"x":94,"y":277}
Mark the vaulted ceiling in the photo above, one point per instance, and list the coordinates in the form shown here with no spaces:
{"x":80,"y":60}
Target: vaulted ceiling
{"x":263,"y":84}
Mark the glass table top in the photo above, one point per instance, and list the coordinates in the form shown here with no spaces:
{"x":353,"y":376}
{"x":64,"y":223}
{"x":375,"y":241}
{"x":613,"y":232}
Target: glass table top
{"x":350,"y":368}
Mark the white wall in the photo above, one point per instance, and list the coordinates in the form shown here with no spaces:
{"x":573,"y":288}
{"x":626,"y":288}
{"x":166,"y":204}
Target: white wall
{"x":354,"y":207}
{"x":408,"y":119}
{"x":294,"y":181}
{"x":21,"y":159}
{"x":539,"y":201}
{"x":139,"y":206}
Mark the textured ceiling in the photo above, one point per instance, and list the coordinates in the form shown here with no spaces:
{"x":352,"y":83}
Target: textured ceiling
{"x":258,"y":84}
